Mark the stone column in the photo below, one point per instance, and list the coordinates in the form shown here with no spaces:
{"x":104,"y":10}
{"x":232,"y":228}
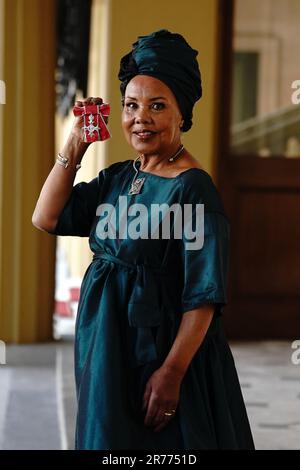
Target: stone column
{"x":27,"y":155}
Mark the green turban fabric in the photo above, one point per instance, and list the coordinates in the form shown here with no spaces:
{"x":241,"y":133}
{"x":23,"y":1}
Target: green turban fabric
{"x":168,"y":57}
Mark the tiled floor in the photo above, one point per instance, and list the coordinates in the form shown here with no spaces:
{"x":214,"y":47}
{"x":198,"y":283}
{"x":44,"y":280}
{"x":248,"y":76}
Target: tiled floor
{"x":37,"y":399}
{"x":271,"y":388}
{"x":28,"y":399}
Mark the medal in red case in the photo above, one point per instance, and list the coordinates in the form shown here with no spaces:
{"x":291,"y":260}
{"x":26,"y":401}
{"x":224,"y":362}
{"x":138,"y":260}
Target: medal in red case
{"x":94,"y":127}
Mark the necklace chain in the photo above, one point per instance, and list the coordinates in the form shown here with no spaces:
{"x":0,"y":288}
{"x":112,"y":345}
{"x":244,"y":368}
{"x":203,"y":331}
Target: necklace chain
{"x":171,"y":159}
{"x":136,"y":185}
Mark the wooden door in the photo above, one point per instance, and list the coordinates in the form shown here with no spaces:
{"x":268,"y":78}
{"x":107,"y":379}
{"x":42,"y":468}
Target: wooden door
{"x":258,"y":166}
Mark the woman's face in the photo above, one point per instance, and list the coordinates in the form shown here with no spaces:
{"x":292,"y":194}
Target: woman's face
{"x":151,"y":118}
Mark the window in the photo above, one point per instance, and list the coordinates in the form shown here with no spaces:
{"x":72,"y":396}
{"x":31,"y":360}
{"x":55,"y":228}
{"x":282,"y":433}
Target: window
{"x":265,"y":121}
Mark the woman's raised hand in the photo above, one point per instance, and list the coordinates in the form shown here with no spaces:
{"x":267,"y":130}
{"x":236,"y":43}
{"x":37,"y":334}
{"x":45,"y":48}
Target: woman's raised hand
{"x":59,"y":183}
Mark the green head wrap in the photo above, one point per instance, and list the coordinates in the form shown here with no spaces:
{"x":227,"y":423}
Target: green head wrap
{"x":168,"y":57}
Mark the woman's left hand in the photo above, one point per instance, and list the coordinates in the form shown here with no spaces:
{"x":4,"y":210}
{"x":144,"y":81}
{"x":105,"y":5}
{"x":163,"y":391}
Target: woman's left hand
{"x":161,"y":396}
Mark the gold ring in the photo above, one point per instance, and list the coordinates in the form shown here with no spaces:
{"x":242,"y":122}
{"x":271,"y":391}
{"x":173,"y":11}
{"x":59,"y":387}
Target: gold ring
{"x":166,"y":413}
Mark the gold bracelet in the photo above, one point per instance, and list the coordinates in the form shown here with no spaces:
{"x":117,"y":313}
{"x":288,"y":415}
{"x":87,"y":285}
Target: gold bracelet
{"x":63,"y":161}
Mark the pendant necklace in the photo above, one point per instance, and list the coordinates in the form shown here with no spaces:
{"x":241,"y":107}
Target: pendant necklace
{"x":137,"y":184}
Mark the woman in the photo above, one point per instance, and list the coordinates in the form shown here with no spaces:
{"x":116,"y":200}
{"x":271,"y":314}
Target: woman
{"x":153,"y":368}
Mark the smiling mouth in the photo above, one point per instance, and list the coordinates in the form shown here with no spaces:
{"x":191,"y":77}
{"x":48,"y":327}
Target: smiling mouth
{"x":145,"y":134}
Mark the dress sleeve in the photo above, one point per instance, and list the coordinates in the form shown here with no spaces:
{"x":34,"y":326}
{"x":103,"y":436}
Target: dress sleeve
{"x":79,"y":211}
{"x":206,"y":267}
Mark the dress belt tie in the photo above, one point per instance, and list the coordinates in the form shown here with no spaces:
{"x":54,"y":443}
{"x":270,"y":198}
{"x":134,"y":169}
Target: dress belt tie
{"x":144,"y":309}
{"x":115,"y":259}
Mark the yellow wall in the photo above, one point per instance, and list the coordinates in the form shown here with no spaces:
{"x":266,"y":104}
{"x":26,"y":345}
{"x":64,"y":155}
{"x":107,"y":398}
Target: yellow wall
{"x":27,"y":148}
{"x":196,"y":20}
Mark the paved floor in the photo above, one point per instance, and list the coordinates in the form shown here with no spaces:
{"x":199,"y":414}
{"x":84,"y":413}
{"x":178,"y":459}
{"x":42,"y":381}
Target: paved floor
{"x":37,"y":400}
{"x":28,"y":399}
{"x":271,"y":388}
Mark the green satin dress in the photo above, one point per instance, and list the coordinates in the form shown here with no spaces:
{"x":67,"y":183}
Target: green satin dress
{"x":133,"y":296}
